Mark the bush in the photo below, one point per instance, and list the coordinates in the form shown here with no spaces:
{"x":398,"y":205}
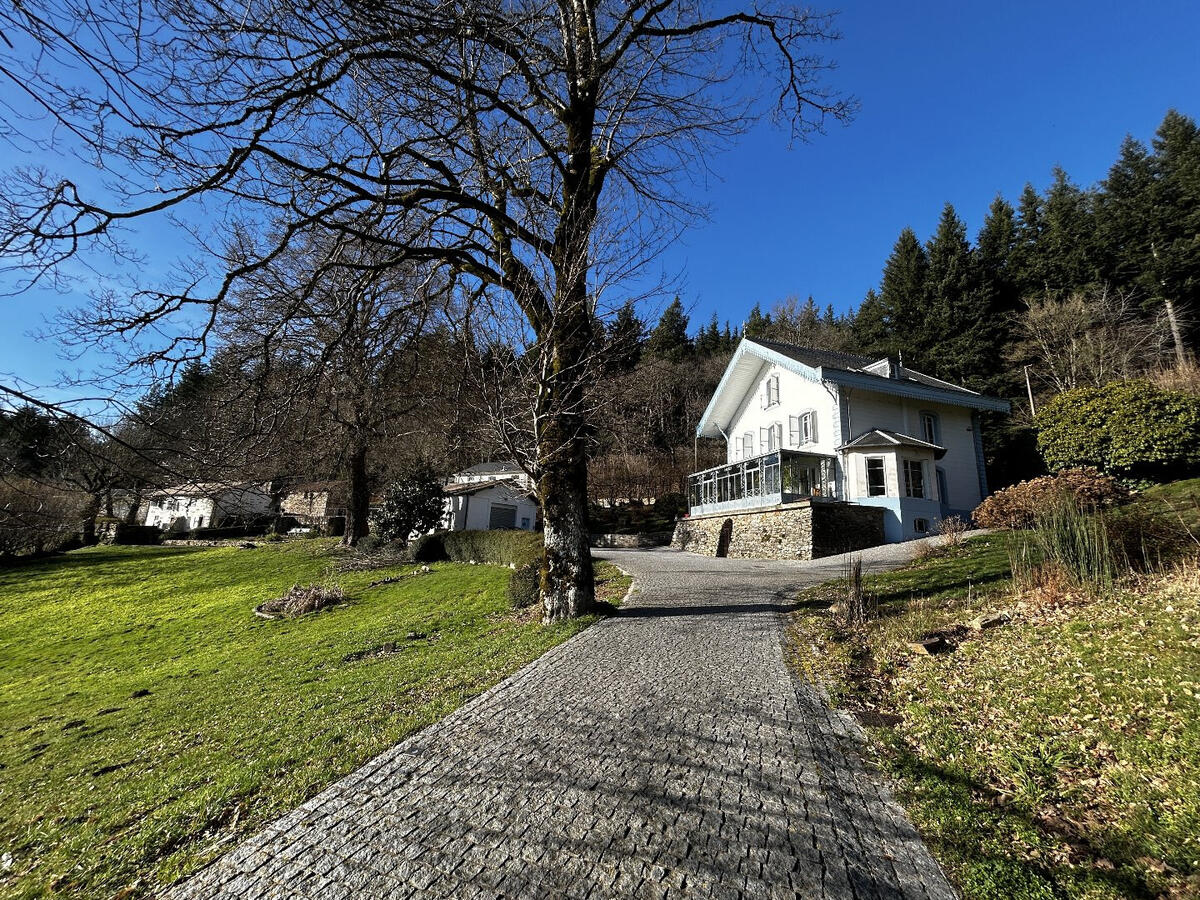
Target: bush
{"x":414,"y":504}
{"x":136,"y":534}
{"x":499,"y":548}
{"x":671,"y":506}
{"x":1132,"y":430}
{"x":525,"y":585}
{"x":1018,"y":506}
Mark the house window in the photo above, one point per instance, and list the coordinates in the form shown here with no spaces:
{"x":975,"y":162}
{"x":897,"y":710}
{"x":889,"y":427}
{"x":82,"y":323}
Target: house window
{"x":747,"y":445}
{"x":802,"y":429}
{"x":914,"y":478}
{"x":770,"y":438}
{"x":876,"y":482}
{"x":921,"y":526}
{"x":943,"y":490}
{"x":929,"y":427}
{"x":770,"y":392}
{"x":200,"y":521}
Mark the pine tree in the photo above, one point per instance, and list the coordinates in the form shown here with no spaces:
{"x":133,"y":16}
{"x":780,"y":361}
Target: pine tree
{"x":869,"y":327}
{"x":902,"y":295}
{"x":1028,"y":270}
{"x":954,"y":342}
{"x":757,"y":325}
{"x":670,"y":340}
{"x":1067,"y":243}
{"x":1175,"y":254}
{"x":625,"y":338}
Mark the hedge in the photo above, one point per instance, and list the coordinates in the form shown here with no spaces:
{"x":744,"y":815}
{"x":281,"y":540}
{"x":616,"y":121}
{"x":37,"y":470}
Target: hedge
{"x":1019,"y":506}
{"x":1132,"y":430}
{"x":500,"y":548}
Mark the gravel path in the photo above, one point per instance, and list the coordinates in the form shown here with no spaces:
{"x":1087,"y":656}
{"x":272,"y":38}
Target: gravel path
{"x":667,"y":751}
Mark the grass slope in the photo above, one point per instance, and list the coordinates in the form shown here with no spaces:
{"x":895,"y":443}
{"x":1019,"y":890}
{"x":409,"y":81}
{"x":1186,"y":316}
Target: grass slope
{"x":148,"y":719}
{"x":1058,"y":757}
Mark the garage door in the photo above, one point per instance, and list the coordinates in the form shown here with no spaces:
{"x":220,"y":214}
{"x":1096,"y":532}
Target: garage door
{"x":502,"y":516}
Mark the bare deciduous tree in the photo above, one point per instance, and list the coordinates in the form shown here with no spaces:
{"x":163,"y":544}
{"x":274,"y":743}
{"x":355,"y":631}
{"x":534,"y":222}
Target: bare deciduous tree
{"x":533,"y":149}
{"x":1089,"y":339}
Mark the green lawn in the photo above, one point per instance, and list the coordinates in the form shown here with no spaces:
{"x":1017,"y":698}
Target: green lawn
{"x":1057,"y":757}
{"x":148,"y":719}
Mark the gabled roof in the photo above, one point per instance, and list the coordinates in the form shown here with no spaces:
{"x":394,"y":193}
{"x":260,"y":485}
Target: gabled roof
{"x":474,"y":487}
{"x":878,"y":438}
{"x":827,"y":366}
{"x":207,"y":489}
{"x":492,"y":468}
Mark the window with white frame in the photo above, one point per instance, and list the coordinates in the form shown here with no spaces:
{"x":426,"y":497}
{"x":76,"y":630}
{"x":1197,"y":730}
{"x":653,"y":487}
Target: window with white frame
{"x":737,"y":447}
{"x":770,"y":396}
{"x":770,"y":438}
{"x":747,"y":445}
{"x":802,"y":429}
{"x":929,"y":427}
{"x":876,"y":479}
{"x":914,"y":478}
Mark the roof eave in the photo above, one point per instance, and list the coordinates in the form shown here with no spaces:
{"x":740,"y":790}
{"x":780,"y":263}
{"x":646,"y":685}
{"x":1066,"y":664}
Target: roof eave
{"x":916,"y":390}
{"x":766,"y":355}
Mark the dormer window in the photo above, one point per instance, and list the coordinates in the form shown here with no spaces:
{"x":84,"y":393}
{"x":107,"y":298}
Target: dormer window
{"x":770,"y":395}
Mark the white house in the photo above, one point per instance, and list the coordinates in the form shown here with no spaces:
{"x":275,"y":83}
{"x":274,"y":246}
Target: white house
{"x":210,"y":505}
{"x":481,"y":505}
{"x":817,"y":425}
{"x":493,"y":471}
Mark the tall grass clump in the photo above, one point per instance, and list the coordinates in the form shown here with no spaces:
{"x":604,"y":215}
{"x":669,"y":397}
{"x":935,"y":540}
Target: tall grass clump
{"x":1068,"y":540}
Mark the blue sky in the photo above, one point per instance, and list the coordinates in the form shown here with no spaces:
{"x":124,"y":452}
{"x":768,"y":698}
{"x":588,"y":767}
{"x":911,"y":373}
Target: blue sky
{"x":959,"y":101}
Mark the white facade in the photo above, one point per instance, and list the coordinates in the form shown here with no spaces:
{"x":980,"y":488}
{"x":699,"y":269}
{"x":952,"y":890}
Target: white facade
{"x":486,"y":506}
{"x":207,"y":506}
{"x":866,"y":432}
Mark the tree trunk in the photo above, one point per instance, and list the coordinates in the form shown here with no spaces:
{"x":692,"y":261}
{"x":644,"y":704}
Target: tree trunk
{"x":358,"y":498}
{"x":135,"y":504}
{"x":1176,"y":333}
{"x":90,"y":512}
{"x":567,"y":587}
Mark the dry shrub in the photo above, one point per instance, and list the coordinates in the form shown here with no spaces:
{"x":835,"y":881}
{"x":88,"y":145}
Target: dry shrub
{"x":1019,"y":505}
{"x":1183,"y":377}
{"x":953,"y":528}
{"x":302,"y":599}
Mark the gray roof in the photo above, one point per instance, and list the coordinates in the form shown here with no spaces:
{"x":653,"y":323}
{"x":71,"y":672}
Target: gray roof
{"x":890,"y":440}
{"x":474,"y":487}
{"x":492,"y":468}
{"x":853,"y":362}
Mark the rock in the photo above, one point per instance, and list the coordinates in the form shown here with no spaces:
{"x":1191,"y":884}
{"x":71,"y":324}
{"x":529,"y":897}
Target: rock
{"x":932,"y":644}
{"x":247,"y":545}
{"x":472,"y":562}
{"x":415,"y":636}
{"x":992,"y":620}
{"x":424,"y":569}
{"x":140,"y":692}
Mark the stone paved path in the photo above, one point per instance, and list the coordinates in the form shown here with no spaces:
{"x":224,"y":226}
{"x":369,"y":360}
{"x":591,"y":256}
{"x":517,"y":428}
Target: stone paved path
{"x":664,"y":752}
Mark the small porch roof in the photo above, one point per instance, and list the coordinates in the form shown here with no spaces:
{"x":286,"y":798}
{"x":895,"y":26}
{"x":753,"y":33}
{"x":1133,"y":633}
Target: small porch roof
{"x":883,"y":439}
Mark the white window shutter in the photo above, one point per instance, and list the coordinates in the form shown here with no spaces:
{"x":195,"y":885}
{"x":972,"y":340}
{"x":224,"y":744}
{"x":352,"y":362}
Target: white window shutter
{"x":737,"y":448}
{"x":794,"y":430}
{"x":812,"y":426}
{"x":777,"y":434}
{"x":763,"y":441}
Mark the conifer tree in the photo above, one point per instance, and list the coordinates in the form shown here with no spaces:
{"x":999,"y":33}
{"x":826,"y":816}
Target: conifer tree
{"x":869,"y":328}
{"x":1028,"y":270}
{"x":625,"y":334}
{"x":954,"y":342}
{"x":902,"y":295}
{"x":670,"y":340}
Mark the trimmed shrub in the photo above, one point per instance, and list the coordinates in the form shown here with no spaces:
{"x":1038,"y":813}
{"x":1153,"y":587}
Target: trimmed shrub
{"x":136,"y":534}
{"x":427,"y":548}
{"x":1132,"y":430}
{"x":1019,"y":505}
{"x":525,"y":585}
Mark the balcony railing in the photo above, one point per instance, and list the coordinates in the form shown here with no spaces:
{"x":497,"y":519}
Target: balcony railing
{"x":782,"y":476}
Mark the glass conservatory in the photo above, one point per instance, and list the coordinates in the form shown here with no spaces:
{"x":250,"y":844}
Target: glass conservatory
{"x":781,"y":476}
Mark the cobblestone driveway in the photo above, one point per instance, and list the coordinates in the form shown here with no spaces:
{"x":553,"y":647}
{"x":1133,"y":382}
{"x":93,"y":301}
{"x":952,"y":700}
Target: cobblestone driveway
{"x":664,"y":752}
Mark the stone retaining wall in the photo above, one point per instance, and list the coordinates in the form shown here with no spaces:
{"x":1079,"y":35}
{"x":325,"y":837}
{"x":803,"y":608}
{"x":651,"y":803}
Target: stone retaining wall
{"x":804,"y":530}
{"x":629,"y":541}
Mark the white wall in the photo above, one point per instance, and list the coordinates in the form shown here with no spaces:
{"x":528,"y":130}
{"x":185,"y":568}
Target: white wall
{"x":190,"y":512}
{"x":873,"y":410}
{"x":472,"y":512}
{"x":796,"y":395}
